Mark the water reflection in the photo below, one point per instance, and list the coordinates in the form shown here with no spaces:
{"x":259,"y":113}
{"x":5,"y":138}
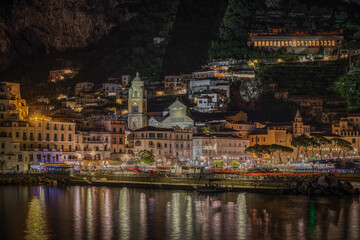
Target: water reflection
{"x":35,"y":222}
{"x":241,"y":216}
{"x":121,"y":213}
{"x":124,"y":212}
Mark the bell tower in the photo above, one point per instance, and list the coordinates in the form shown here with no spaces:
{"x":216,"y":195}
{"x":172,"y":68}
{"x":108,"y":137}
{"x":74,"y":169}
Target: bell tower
{"x":137,"y":104}
{"x":298,"y":125}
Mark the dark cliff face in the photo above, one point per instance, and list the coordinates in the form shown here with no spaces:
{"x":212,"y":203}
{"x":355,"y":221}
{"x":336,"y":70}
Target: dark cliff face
{"x":29,"y":27}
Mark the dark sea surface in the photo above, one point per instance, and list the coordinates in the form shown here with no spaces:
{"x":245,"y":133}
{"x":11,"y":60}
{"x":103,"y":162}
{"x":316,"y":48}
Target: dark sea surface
{"x":79,"y":212}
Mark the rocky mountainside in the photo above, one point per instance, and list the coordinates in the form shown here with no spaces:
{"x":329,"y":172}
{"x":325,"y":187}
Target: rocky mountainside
{"x":29,"y":27}
{"x":103,"y":38}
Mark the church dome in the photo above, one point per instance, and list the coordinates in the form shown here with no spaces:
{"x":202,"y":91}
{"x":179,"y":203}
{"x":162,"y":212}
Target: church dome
{"x":137,"y":78}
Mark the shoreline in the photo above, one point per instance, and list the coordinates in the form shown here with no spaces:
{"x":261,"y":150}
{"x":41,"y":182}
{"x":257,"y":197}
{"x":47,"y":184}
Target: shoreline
{"x":295,"y":185}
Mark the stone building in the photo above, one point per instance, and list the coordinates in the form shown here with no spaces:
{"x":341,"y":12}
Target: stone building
{"x":12,"y":106}
{"x":226,"y":147}
{"x":298,"y":42}
{"x":93,"y":145}
{"x":169,"y":145}
{"x":178,"y":116}
{"x":35,"y":142}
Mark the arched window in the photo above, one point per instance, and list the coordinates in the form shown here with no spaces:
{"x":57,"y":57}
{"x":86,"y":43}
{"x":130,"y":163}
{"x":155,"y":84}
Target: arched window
{"x":302,"y":43}
{"x":317,"y":43}
{"x":135,"y":107}
{"x":137,"y":143}
{"x":282,"y":43}
{"x":333,"y":43}
{"x":136,"y":94}
{"x":329,"y":43}
{"x":267,"y":43}
{"x":263,"y":43}
{"x":325,"y":43}
{"x":309,"y":44}
{"x":255,"y":44}
{"x":298,"y":43}
{"x":286,"y":43}
{"x":290,"y":43}
{"x":271,"y":43}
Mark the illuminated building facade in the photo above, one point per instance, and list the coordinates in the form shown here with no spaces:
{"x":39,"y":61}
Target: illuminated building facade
{"x":175,"y":85}
{"x":93,"y":145}
{"x":177,"y":117}
{"x":36,"y":142}
{"x":169,"y":145}
{"x":298,"y":42}
{"x":12,"y":107}
{"x":137,"y":104}
{"x":210,"y":147}
{"x":60,"y":74}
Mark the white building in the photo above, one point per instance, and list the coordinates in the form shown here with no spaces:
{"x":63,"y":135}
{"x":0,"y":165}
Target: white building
{"x":210,"y":102}
{"x":201,"y":85}
{"x":226,"y":147}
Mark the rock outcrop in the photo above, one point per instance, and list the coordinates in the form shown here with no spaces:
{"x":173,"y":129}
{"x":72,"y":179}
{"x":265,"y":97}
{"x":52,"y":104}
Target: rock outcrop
{"x":326,"y":185}
{"x":41,"y":26}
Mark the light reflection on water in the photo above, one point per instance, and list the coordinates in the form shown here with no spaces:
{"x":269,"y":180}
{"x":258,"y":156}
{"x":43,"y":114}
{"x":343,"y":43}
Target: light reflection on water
{"x":121,"y":213}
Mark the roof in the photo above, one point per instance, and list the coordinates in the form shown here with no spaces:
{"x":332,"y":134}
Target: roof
{"x":259,"y":131}
{"x":218,"y":135}
{"x":154,"y":129}
{"x":137,"y":78}
{"x":298,"y":114}
{"x":160,"y":119}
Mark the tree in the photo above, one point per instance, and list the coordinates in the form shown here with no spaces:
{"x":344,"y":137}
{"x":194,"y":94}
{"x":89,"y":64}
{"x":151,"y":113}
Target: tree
{"x":343,"y":145}
{"x":235,"y":164}
{"x":348,"y":86}
{"x":233,"y":32}
{"x":280,"y":150}
{"x":258,"y":149}
{"x":145,"y":157}
{"x":302,"y":141}
{"x":321,"y":142}
{"x":218,"y":163}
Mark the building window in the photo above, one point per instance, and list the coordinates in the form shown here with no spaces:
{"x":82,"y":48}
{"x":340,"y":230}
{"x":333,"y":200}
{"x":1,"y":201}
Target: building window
{"x":138,"y":143}
{"x":151,"y":144}
{"x":120,"y":140}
